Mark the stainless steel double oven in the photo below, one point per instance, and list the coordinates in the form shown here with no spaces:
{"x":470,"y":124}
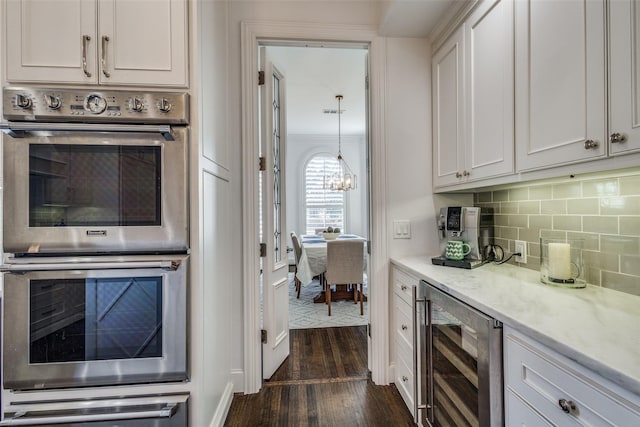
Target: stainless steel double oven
{"x":95,"y":238}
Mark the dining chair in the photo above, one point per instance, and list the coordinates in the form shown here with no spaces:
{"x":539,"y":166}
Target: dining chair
{"x":345,"y":265}
{"x":297,"y":252}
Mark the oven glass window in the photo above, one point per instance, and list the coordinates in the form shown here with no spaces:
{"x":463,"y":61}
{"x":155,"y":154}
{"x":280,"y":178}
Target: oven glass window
{"x":95,"y":319}
{"x":94,"y":185}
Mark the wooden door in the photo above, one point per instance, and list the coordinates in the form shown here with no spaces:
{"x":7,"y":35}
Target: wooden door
{"x":143,"y":42}
{"x":275,"y":263}
{"x":560,"y":82}
{"x":51,"y":41}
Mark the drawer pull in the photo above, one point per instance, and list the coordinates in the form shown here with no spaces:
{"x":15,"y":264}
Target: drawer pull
{"x":404,"y":378}
{"x":567,"y":405}
{"x":405,"y":327}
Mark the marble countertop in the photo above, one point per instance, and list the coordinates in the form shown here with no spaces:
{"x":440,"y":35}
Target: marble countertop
{"x":596,"y":327}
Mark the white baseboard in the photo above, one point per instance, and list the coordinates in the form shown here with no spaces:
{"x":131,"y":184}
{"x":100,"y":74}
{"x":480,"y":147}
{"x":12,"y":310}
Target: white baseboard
{"x":222,"y":410}
{"x":237,"y":378}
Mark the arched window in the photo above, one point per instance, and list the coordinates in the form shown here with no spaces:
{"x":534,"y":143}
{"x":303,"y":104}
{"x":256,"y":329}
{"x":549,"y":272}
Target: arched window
{"x":323,"y":208}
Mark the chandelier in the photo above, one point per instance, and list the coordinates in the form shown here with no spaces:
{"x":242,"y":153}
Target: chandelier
{"x":343,"y":179}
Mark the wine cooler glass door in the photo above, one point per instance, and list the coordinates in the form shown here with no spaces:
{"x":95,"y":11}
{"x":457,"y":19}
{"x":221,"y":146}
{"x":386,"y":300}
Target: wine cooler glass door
{"x":465,"y":387}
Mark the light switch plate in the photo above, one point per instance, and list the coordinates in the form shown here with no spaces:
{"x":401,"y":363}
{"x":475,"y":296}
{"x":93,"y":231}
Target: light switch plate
{"x":402,"y":229}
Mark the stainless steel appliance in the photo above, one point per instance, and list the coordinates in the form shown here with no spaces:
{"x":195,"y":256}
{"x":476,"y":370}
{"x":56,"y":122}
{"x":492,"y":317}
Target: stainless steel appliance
{"x":147,"y":411}
{"x":94,"y":321}
{"x":471,"y":225}
{"x":88,"y":172}
{"x":460,"y":362}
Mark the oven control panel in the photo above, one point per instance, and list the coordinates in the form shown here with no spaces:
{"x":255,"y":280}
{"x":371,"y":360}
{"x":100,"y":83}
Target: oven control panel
{"x":95,"y":106}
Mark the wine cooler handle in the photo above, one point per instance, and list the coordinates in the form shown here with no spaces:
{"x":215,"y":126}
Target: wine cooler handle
{"x":422,"y":404}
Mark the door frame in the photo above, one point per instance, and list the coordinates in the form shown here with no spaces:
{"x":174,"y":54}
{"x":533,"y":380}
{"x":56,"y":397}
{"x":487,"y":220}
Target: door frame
{"x":252,"y":34}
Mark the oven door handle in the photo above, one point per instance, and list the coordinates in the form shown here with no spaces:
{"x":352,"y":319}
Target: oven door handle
{"x":170,"y":265}
{"x":33,"y":414}
{"x":22,"y":418}
{"x":19,"y":129}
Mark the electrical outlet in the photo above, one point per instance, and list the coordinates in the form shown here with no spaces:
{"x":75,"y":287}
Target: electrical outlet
{"x":521,"y":246}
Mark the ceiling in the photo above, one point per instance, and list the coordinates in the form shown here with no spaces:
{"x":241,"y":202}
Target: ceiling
{"x":314,"y":75}
{"x":313,"y":78}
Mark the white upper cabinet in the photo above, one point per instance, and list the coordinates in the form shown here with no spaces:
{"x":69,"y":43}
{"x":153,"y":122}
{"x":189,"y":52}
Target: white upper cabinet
{"x":143,"y":42}
{"x":448,"y":110}
{"x":624,"y":72}
{"x":560,"y":82}
{"x":120,"y":42}
{"x":473,"y":93}
{"x":51,"y":41}
{"x":489,"y":88}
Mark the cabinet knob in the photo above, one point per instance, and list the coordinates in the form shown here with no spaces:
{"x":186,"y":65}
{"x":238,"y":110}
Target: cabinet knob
{"x":405,"y":327}
{"x":458,"y":175}
{"x":465,"y":173}
{"x":567,"y":405}
{"x":590,"y":144}
{"x":617,"y":137}
{"x":403,"y":287}
{"x":405,"y":379}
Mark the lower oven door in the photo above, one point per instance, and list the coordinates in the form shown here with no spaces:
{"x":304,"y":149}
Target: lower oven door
{"x":149,"y":411}
{"x":123,"y":323}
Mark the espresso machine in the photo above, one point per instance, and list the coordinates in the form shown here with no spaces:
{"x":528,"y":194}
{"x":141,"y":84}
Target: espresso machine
{"x":471,"y":225}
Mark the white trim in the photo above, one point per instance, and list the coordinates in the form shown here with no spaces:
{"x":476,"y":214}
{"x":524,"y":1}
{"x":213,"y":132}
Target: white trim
{"x":284,"y":32}
{"x":222,"y":410}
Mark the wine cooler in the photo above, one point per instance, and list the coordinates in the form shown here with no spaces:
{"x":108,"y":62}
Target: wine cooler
{"x":460,"y":364}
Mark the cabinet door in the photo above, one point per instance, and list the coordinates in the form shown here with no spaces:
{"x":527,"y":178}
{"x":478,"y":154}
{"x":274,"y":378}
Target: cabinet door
{"x":489,"y":90}
{"x":560,"y":82}
{"x":624,"y":72}
{"x":51,"y":41}
{"x":447,"y":71}
{"x":143,"y":42}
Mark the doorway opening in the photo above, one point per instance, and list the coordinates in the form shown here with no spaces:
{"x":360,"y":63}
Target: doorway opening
{"x":299,"y":117}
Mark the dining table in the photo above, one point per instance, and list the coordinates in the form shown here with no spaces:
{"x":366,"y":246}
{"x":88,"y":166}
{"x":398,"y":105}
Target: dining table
{"x":313,"y":262}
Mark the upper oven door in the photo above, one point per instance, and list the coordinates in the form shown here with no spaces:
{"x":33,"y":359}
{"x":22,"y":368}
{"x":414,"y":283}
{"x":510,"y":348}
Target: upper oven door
{"x":123,"y":323}
{"x":88,"y":192}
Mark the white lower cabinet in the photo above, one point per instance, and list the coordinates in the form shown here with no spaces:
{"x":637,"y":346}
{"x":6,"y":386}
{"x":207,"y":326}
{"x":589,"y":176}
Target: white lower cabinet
{"x":543,"y":387}
{"x":403,"y":336}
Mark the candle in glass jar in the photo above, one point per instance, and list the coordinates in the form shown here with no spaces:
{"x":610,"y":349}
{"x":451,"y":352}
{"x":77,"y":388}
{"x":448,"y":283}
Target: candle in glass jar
{"x":560,"y":261}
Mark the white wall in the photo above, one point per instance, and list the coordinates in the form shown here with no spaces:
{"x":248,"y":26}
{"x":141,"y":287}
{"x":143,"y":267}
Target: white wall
{"x":300,"y":148}
{"x":213,"y":273}
{"x":408,"y":148}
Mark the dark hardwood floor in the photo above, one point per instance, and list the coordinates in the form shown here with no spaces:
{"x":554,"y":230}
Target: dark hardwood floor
{"x":324,"y":382}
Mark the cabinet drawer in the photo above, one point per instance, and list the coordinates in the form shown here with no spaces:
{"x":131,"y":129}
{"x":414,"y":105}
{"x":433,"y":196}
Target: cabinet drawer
{"x":521,"y":414}
{"x":543,"y":378}
{"x":403,"y":324}
{"x":404,"y":375}
{"x":403,"y":285}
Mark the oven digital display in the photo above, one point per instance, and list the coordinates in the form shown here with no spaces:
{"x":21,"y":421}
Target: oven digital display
{"x":94,"y":185}
{"x":74,"y":320}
